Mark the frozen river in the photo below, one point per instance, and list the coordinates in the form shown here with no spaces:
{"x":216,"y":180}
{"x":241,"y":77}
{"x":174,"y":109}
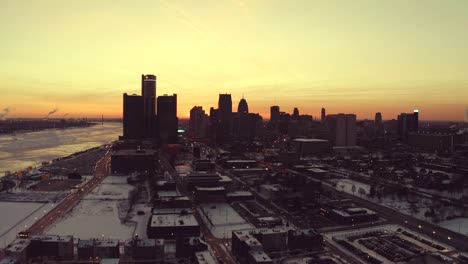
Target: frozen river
{"x":30,"y":149}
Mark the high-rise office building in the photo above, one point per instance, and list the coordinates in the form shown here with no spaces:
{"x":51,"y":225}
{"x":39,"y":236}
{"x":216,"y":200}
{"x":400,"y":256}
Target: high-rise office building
{"x":378,"y":125}
{"x":132,"y":116}
{"x":323,"y":117}
{"x":168,"y":122}
{"x":342,"y":129}
{"x":295,"y":113}
{"x":213,"y":125}
{"x":225,"y":116}
{"x":274,"y":115}
{"x":408,"y":122}
{"x":248,"y":126}
{"x":148,"y":91}
{"x":198,"y":122}
{"x":243,"y":108}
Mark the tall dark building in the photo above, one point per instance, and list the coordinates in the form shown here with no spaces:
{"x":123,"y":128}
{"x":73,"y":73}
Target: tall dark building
{"x":378,"y":125}
{"x":243,"y":108}
{"x":198,"y":122}
{"x":213,"y":125}
{"x":148,"y":91}
{"x":225,"y":116}
{"x":274,"y":115}
{"x":295,"y":113}
{"x":168,"y":122}
{"x":323,"y":117}
{"x":133,"y":116}
{"x":342,"y":129}
{"x":408,"y":122}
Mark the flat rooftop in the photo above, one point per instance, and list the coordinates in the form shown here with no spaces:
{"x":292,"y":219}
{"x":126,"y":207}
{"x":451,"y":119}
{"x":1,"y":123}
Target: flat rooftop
{"x":219,"y":188}
{"x":106,"y":243}
{"x":19,"y":245}
{"x":173,"y":220}
{"x":309,"y":140}
{"x":141,"y":242}
{"x":52,"y":238}
{"x":241,"y":161}
{"x":259,"y":256}
{"x":240,"y":193}
{"x":133,"y":152}
{"x":353,"y":211}
{"x":168,"y":211}
{"x":205,"y":257}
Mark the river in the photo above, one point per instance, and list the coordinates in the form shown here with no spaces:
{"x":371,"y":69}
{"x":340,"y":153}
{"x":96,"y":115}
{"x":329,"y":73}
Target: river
{"x":20,"y":150}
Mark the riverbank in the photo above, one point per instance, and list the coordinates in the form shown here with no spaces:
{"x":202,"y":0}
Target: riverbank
{"x":13,"y":126}
{"x":31,"y":149}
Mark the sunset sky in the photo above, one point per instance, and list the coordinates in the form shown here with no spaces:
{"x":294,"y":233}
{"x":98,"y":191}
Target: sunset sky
{"x":359,"y":56}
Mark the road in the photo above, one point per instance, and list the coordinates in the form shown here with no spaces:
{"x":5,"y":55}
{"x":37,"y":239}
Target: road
{"x":61,"y":209}
{"x":435,"y":232}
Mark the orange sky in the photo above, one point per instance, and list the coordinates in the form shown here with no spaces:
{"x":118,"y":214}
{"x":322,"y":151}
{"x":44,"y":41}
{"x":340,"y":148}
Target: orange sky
{"x":359,"y":57}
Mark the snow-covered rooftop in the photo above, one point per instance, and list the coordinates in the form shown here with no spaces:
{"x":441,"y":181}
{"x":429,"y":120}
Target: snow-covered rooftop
{"x":173,"y":220}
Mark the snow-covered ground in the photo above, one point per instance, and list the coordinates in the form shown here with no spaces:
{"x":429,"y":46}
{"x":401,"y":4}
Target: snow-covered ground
{"x":93,"y":219}
{"x":346,"y":185}
{"x":97,"y":215}
{"x":459,"y":225}
{"x":18,"y":216}
{"x":416,"y":205}
{"x":222,"y":219}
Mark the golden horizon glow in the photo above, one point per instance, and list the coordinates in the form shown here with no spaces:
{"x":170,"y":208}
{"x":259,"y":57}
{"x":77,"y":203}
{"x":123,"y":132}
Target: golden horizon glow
{"x":357,"y":57}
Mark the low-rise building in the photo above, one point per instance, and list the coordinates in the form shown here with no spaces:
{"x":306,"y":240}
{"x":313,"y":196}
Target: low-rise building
{"x":205,"y":257}
{"x":352,"y":216}
{"x":91,"y":249}
{"x":259,"y":257}
{"x":239,"y":196}
{"x":125,"y":161}
{"x":170,"y":226}
{"x":210,"y":194}
{"x":305,"y":239}
{"x":141,"y":249}
{"x":18,"y":249}
{"x":186,"y":247}
{"x":311,"y":146}
{"x":52,"y":246}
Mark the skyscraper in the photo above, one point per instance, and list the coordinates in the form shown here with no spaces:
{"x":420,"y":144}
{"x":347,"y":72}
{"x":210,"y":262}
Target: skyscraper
{"x":168,"y":122}
{"x":148,"y":91}
{"x":378,"y":125}
{"x":225,"y":116}
{"x":243,"y":108}
{"x":132,"y":116}
{"x":408,"y":122}
{"x":342,"y":129}
{"x":274,"y":115}
{"x":323,"y":116}
{"x":198,"y":122}
{"x":295,"y":113}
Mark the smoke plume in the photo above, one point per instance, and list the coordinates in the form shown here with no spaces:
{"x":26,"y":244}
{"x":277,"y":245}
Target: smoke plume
{"x":5,"y":112}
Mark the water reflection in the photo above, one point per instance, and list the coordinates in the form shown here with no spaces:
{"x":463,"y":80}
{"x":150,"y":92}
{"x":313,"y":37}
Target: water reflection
{"x":29,"y":149}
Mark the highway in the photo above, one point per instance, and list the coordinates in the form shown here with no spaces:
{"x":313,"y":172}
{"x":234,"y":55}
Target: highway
{"x":61,"y":209}
{"x":435,"y":232}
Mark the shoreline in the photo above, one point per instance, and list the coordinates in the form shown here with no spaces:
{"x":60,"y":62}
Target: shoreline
{"x":90,"y":124}
{"x":13,"y":176}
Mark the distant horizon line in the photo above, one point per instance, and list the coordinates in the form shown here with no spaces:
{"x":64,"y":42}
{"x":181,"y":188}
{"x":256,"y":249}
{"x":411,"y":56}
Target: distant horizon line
{"x":188,"y":118}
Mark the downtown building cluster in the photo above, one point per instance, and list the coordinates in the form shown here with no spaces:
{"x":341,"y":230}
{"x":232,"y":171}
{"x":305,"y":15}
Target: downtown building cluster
{"x":148,"y":116}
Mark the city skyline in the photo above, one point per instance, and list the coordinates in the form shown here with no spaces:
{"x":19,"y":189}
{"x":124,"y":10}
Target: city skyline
{"x":80,"y":58}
